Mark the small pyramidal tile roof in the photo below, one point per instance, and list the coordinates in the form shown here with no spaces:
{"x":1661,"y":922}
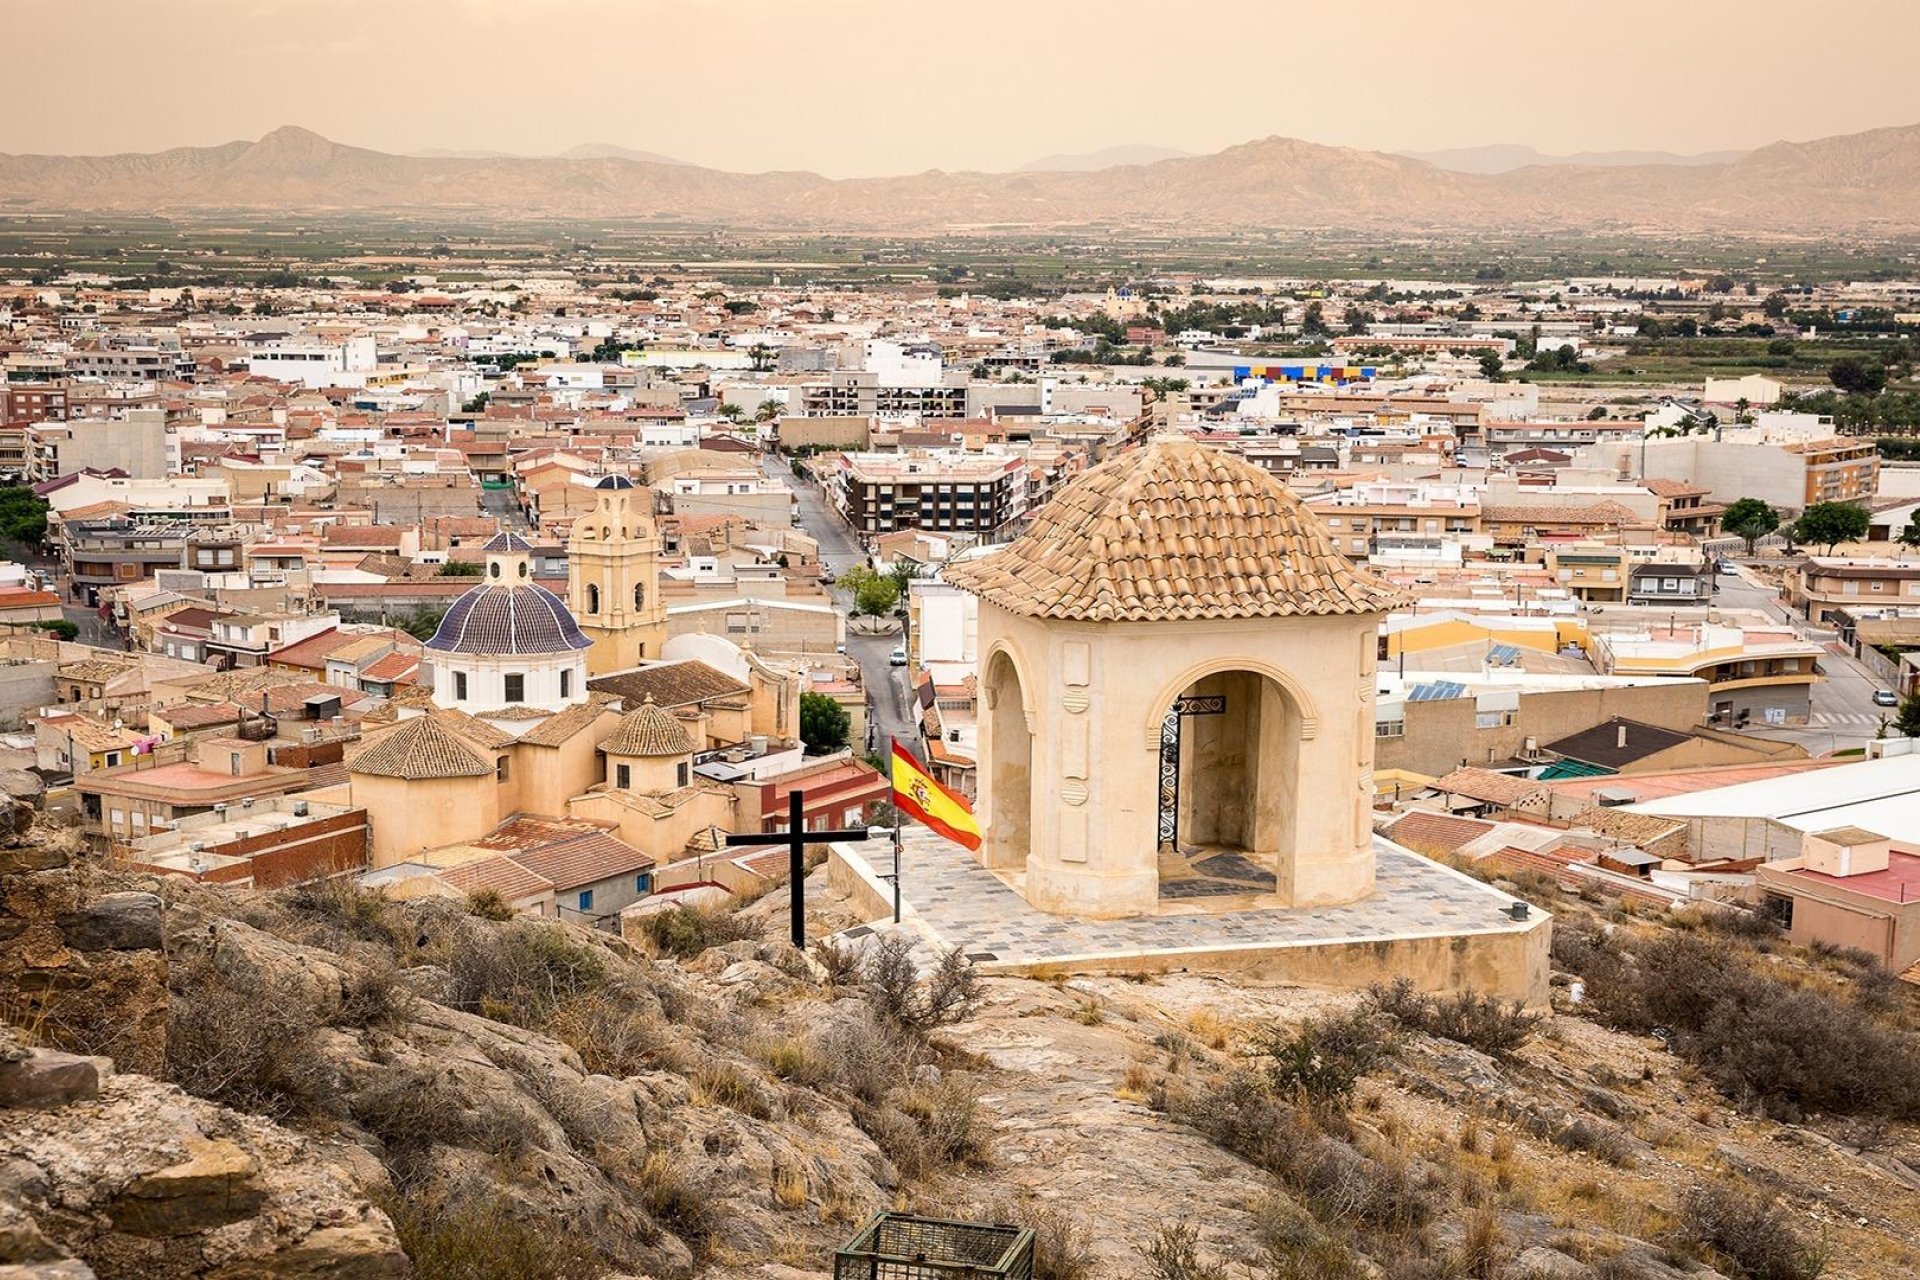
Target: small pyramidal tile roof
{"x":648,"y":731}
{"x":506,"y":542}
{"x":420,"y":747}
{"x":1174,"y":531}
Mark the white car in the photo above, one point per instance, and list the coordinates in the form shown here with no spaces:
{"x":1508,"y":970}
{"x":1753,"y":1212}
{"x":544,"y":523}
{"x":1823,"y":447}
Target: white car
{"x":898,"y":658}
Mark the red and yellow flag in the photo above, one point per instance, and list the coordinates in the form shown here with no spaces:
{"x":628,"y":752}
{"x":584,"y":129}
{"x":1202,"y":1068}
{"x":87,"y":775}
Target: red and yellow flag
{"x":919,"y":796}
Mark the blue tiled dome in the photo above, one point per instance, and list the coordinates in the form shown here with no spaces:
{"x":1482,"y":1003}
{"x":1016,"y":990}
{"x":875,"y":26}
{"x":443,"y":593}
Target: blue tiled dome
{"x":522,"y":618}
{"x":614,"y":482}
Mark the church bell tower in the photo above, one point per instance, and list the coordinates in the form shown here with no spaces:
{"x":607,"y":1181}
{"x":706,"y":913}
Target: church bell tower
{"x":613,"y":577}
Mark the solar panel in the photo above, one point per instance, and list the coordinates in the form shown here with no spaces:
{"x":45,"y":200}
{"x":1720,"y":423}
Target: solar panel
{"x":1502,"y":654}
{"x":1436,"y":691}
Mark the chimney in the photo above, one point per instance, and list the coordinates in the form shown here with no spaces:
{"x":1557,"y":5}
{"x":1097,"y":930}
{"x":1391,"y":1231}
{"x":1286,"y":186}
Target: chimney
{"x":1620,"y":743}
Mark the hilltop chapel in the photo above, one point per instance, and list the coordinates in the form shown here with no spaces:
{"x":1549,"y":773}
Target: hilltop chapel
{"x":576,"y":709}
{"x":1178,"y":672}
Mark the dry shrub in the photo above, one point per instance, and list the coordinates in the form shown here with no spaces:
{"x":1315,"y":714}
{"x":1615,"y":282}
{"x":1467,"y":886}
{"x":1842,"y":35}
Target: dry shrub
{"x":894,"y":989}
{"x":338,"y":903}
{"x":1479,"y":1021}
{"x":839,"y":965}
{"x":611,"y":1036}
{"x":929,"y":1128}
{"x":521,"y":973}
{"x":727,"y":1085}
{"x":1295,"y":1247}
{"x":1062,"y":1239}
{"x":1484,"y":1248}
{"x":1784,"y":1049}
{"x":241,"y":1040}
{"x":1597,"y":1139}
{"x":1747,"y":1230}
{"x":490,"y":904}
{"x":674,"y":1200}
{"x":794,"y":1061}
{"x":1242,"y":1113}
{"x":683,"y":932}
{"x":1174,"y":1254}
{"x":411,"y":1111}
{"x":484,"y":1242}
{"x":373,"y":997}
{"x":1322,"y":1059}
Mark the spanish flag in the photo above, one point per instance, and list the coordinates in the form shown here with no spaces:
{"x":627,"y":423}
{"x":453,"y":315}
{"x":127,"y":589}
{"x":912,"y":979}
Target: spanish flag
{"x":919,"y":796}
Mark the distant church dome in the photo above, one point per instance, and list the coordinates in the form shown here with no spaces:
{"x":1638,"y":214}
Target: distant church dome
{"x":509,"y":613}
{"x":614,"y":482}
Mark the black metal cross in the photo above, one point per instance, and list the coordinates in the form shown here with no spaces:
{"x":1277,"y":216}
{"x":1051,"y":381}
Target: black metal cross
{"x":796,"y":838}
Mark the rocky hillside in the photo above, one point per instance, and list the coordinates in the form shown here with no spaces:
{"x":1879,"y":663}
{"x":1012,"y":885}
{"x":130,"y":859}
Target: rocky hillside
{"x":322,"y":1083}
{"x":1867,"y":182}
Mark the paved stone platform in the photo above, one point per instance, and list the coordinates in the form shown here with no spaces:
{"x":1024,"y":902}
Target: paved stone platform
{"x":1462,"y":925}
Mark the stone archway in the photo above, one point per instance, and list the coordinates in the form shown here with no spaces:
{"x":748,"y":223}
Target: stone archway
{"x":1228,"y":819}
{"x":1006,"y":784}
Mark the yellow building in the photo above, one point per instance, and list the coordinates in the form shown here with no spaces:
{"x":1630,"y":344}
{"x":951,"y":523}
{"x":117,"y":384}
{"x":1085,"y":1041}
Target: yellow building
{"x":613,"y":587}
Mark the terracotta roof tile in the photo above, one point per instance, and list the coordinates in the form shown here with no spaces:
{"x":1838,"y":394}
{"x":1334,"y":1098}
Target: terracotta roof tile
{"x":1177,"y":530}
{"x":671,"y":684}
{"x":1486,"y":784}
{"x":649,"y":731}
{"x":420,"y":747}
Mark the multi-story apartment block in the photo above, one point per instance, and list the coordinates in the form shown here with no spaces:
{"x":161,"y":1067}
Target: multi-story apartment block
{"x":33,"y":402}
{"x":131,"y":364}
{"x":1820,"y":586}
{"x":858,"y":392}
{"x":950,"y":492}
{"x":102,"y":554}
{"x":1368,"y":518}
{"x":1752,"y":673}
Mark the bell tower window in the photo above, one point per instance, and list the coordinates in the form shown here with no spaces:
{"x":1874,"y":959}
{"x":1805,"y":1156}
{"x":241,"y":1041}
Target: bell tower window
{"x":593,"y":597}
{"x":639,"y":595}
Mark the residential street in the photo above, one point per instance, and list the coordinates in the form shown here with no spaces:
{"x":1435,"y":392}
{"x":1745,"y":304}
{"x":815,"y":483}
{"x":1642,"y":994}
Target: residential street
{"x":1844,"y":715}
{"x":890,"y":705}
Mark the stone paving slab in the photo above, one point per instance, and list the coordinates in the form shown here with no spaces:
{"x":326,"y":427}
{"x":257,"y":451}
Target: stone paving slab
{"x":951,"y":898}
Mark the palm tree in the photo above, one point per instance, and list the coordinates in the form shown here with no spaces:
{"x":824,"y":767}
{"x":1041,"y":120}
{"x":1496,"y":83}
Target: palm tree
{"x":768,"y":411}
{"x":732,"y":412}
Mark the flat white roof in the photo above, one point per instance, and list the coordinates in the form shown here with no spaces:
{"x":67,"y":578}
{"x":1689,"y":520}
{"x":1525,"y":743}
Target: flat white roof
{"x":1880,"y":795}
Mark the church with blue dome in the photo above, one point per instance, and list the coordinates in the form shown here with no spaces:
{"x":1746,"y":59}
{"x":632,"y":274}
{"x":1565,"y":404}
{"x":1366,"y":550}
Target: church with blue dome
{"x":509,"y":643}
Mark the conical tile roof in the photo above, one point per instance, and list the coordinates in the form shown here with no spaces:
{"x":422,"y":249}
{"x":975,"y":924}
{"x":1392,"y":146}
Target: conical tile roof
{"x":420,"y":747}
{"x":648,"y":731}
{"x":1174,"y":531}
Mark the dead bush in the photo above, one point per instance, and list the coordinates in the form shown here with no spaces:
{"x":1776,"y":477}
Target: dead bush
{"x":1746,"y":1230}
{"x":726,"y":1085}
{"x":339,"y":903}
{"x":865,"y":1057}
{"x":411,"y":1111}
{"x":1322,"y":1059}
{"x":840,"y":965}
{"x":1480,"y":1022}
{"x":520,"y":972}
{"x":490,"y":904}
{"x":1295,"y":1247}
{"x":484,"y":1242}
{"x":373,"y":996}
{"x":675,"y":1200}
{"x":895,"y":991}
{"x":1602,"y":1141}
{"x":1780,"y":1048}
{"x":1174,"y":1254}
{"x":238,"y":1039}
{"x":1062,"y":1239}
{"x":948,"y":1113}
{"x":684,"y":932}
{"x":611,"y":1036}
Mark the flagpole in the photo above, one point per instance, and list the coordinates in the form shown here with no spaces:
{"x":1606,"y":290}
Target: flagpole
{"x":893,"y":798}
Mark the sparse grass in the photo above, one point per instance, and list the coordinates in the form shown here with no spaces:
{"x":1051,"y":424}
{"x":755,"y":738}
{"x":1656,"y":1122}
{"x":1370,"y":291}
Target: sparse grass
{"x":726,"y":1085}
{"x":611,"y":1036}
{"x":1136,"y":1083}
{"x":522,"y":972}
{"x":484,"y":1242}
{"x":1174,"y":1254}
{"x":789,"y":1187}
{"x":674,"y":1200}
{"x":1209,"y":1028}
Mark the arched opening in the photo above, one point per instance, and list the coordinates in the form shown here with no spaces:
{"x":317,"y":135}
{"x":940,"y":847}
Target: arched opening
{"x":1229,"y":803}
{"x":639,"y":595}
{"x":593,"y":597}
{"x":1007,"y":788}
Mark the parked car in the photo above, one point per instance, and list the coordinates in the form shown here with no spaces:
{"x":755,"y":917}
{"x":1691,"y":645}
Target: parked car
{"x":1885,"y":698}
{"x":898,"y":658}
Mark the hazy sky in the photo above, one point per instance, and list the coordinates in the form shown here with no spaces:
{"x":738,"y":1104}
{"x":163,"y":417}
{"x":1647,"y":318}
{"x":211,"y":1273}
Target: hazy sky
{"x":850,"y":87}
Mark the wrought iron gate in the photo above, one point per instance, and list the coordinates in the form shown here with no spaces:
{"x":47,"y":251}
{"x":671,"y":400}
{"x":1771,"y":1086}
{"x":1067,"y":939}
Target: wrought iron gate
{"x":1206,"y":704}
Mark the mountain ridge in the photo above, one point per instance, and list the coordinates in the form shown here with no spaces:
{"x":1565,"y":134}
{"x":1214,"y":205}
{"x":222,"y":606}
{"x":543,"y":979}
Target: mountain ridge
{"x":1866,"y":181}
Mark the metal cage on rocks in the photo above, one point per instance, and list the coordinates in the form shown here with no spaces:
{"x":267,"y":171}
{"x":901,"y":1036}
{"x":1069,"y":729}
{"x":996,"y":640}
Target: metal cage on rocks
{"x":897,"y":1246}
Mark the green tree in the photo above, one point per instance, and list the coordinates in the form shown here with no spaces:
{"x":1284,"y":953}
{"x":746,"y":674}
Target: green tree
{"x":1910,"y":536}
{"x":460,"y":569}
{"x":1907,"y":722}
{"x":824,"y":723}
{"x":768,"y":411}
{"x":1492,"y":367}
{"x":876,"y":596}
{"x":23,"y":515}
{"x":1831,"y":523}
{"x":60,"y":627}
{"x":422,"y":623}
{"x":732,"y":412}
{"x":1855,"y":376}
{"x":1750,"y":519}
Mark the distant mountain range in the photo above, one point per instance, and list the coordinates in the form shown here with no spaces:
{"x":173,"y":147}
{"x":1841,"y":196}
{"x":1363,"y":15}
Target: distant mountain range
{"x":585,"y":151}
{"x":1105,"y":158}
{"x":1506,"y":157}
{"x":1863,"y":182}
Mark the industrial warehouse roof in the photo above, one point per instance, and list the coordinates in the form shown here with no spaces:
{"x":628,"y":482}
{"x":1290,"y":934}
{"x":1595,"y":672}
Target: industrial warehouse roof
{"x":1878,"y":795}
{"x":1172,"y":532}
